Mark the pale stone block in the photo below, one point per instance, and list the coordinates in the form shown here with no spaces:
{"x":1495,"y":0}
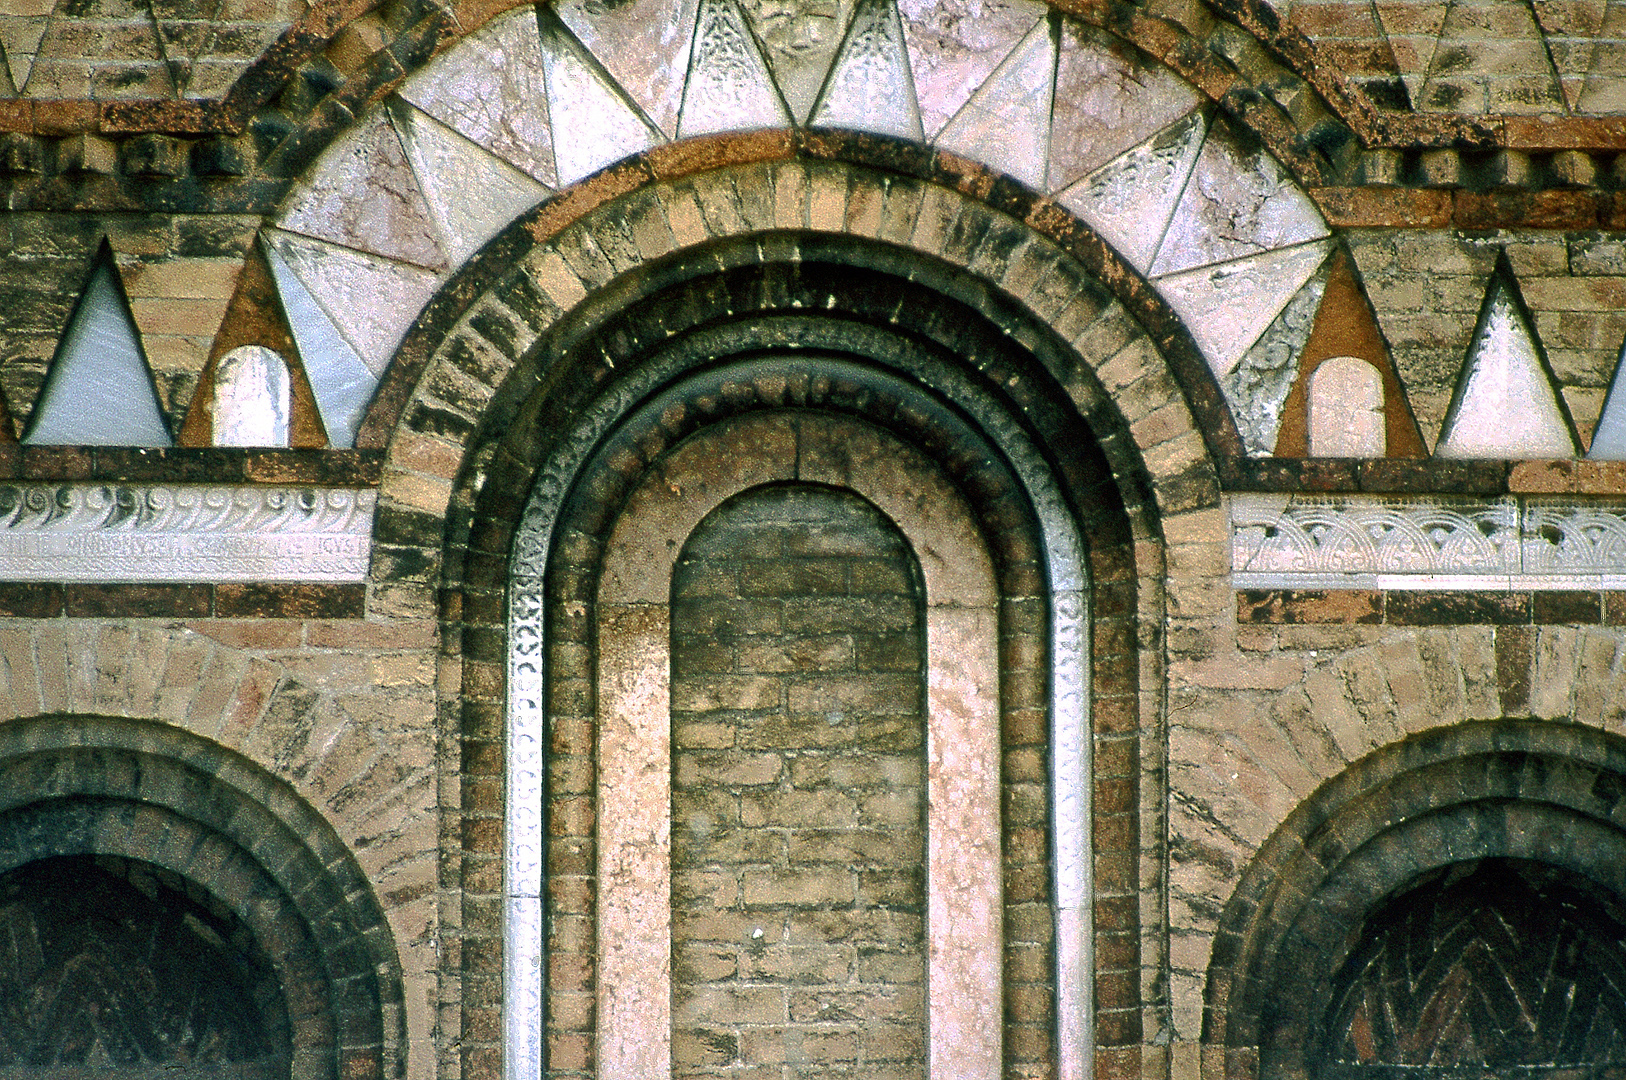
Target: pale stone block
{"x":251,"y":406}
{"x":645,"y":47}
{"x":729,"y":87}
{"x":1346,"y":409}
{"x":869,"y":87}
{"x":1006,"y":124}
{"x":955,"y":45}
{"x":593,"y":123}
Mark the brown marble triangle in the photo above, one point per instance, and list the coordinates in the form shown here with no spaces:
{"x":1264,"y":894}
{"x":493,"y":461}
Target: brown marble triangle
{"x":255,"y":317}
{"x":1345,"y":325}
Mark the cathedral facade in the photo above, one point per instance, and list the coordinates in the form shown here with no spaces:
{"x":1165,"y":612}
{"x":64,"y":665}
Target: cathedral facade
{"x":969,"y":539}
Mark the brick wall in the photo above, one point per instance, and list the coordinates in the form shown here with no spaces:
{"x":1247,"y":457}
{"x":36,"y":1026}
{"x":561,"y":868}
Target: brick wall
{"x":798,"y":798}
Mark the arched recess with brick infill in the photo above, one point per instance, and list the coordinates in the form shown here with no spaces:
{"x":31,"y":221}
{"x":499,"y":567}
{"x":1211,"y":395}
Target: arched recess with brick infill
{"x":224,"y":834}
{"x":1523,"y":813}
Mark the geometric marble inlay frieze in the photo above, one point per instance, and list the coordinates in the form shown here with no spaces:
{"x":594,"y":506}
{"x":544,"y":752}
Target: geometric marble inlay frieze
{"x":91,"y":532}
{"x":1371,"y":542}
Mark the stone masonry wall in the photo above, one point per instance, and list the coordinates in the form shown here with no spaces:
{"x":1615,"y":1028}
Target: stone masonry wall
{"x":798,"y":793}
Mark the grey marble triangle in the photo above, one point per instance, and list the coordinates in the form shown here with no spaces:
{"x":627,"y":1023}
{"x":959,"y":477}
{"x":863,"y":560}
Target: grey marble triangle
{"x":869,"y":88}
{"x":363,"y":194}
{"x":643,"y":44}
{"x":491,"y":88}
{"x":99,"y":390}
{"x":1609,"y":437}
{"x":340,"y":382}
{"x":371,"y":300}
{"x":594,"y":123}
{"x":1257,"y":388}
{"x":472,"y":194}
{"x":1507,"y":403}
{"x":1236,"y":203}
{"x":954,"y":47}
{"x":1228,"y":306}
{"x":729,"y":87}
{"x":1130,"y":199}
{"x":1006,"y":124}
{"x":799,"y":41}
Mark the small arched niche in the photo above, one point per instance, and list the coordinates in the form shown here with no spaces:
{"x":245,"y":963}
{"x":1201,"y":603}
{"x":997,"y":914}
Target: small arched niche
{"x":1346,"y":409}
{"x":799,"y":786}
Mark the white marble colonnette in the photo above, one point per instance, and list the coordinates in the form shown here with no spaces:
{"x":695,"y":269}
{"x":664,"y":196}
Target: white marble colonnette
{"x":1371,"y":542}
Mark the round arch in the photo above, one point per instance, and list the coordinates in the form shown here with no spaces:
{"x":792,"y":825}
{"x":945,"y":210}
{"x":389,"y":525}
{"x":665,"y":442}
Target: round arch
{"x":1520,"y":790}
{"x":72,"y":786}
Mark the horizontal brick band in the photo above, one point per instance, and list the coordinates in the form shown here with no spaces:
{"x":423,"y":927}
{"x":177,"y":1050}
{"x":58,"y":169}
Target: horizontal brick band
{"x":50,"y":600}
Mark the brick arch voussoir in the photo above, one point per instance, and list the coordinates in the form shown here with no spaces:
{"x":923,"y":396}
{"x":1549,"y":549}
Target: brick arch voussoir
{"x":219,"y":820}
{"x":1131,"y":369}
{"x":1469,"y":790}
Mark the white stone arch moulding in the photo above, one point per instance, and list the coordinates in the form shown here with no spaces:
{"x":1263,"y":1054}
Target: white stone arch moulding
{"x":633,"y":686}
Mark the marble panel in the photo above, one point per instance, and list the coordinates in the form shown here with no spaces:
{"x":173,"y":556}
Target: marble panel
{"x":593,"y":122}
{"x":363,"y":194}
{"x":1108,"y":99}
{"x":1237,"y":203}
{"x":1258,"y":387}
{"x":490,"y":87}
{"x":644,"y":45}
{"x":1006,"y":124}
{"x":1609,"y":437}
{"x":472,"y":194}
{"x":1329,"y":537}
{"x":954,"y":45}
{"x":799,"y":39}
{"x":252,"y":398}
{"x":1507,"y":403}
{"x":1228,"y":307}
{"x":1346,"y":409}
{"x":869,"y":88}
{"x":340,"y":382}
{"x":1564,"y":540}
{"x":729,"y":87}
{"x":99,"y":390}
{"x":372,"y":301}
{"x":1130,"y":199}
{"x":91,"y":532}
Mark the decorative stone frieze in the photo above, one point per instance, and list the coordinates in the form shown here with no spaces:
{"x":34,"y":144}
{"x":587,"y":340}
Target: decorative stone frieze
{"x":183,"y":532}
{"x":1355,"y":542}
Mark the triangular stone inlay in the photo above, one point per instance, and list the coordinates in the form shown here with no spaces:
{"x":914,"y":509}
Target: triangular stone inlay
{"x":1507,"y":403}
{"x":472,"y":194}
{"x":1237,"y":203}
{"x":99,"y":390}
{"x":1108,"y":99}
{"x":1609,"y":437}
{"x":1226,"y":307}
{"x":1129,"y":200}
{"x":364,"y":195}
{"x":1345,"y":325}
{"x":1258,"y":387}
{"x":1006,"y":124}
{"x":950,"y":56}
{"x":340,"y":382}
{"x":643,"y":44}
{"x":1413,"y":30}
{"x":491,"y":88}
{"x":255,"y":317}
{"x":594,"y":123}
{"x":869,"y":87}
{"x":729,"y":87}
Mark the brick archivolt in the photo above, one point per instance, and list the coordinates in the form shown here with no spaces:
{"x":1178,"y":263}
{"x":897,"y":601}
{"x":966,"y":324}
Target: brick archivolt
{"x":338,"y":724}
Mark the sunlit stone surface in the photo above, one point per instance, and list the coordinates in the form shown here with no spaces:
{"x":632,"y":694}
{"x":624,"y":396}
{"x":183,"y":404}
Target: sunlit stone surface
{"x":1235,"y":204}
{"x":1505,"y":405}
{"x":593,"y":123}
{"x":645,"y":47}
{"x":364,"y":195}
{"x":1129,"y":200}
{"x":799,"y":39}
{"x":472,"y":194}
{"x":99,"y":390}
{"x":490,"y":88}
{"x":1258,"y":386}
{"x":251,"y":406}
{"x":869,"y":88}
{"x":1107,"y":100}
{"x":1006,"y":124}
{"x":954,"y":45}
{"x":1346,"y":409}
{"x":729,"y":87}
{"x":1227,"y":307}
{"x":1609,"y":438}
